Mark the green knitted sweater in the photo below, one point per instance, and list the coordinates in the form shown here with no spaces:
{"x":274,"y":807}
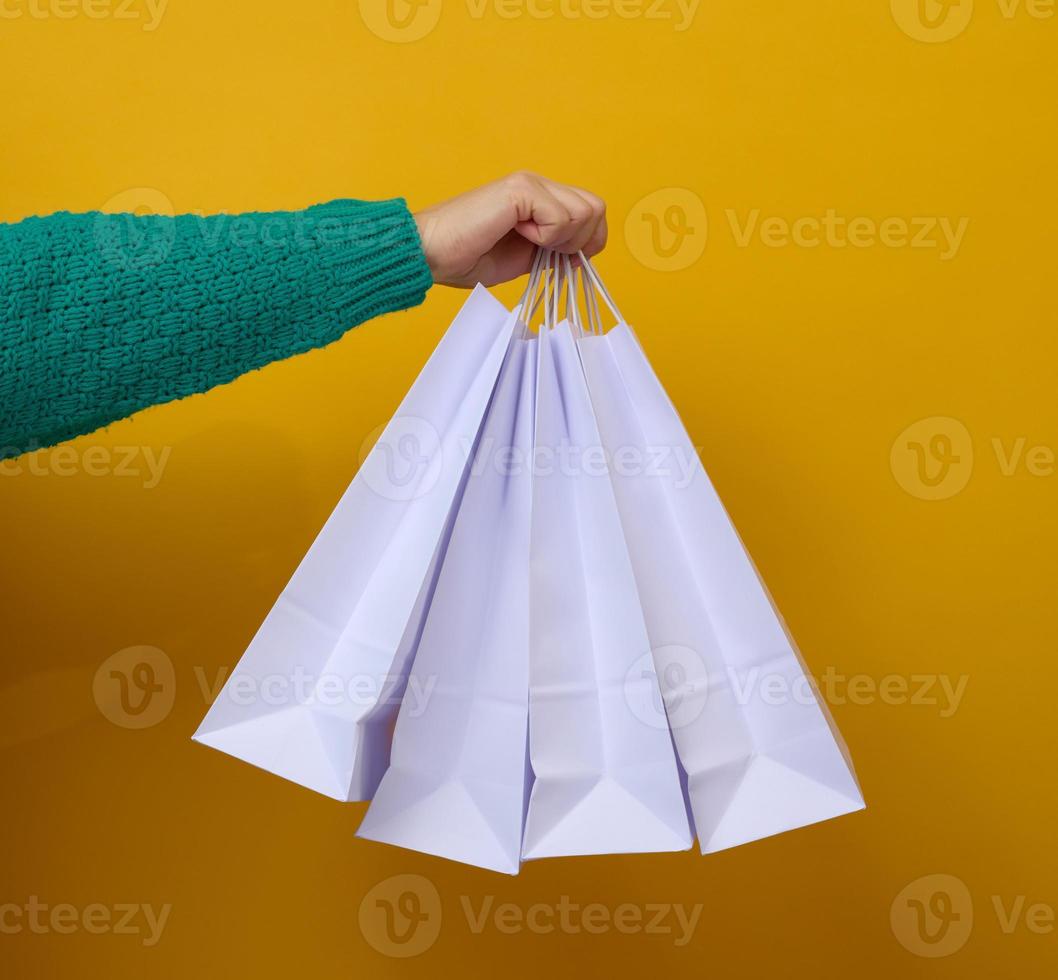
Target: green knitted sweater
{"x":102,"y":315}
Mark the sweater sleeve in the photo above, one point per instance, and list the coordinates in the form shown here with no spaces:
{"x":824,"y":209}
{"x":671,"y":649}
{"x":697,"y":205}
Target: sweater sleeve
{"x":102,"y":315}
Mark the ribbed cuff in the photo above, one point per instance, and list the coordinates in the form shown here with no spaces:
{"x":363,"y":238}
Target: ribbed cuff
{"x":375,"y":254}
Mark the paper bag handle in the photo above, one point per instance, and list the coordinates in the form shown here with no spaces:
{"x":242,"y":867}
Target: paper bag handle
{"x":593,"y":276}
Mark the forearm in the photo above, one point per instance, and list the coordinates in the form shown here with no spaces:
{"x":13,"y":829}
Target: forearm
{"x":103,"y":315}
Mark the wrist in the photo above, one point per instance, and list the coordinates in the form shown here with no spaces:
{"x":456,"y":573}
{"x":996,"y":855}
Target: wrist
{"x":425,"y":225}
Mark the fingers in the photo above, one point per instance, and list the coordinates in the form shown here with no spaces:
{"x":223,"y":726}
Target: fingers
{"x":510,"y":258}
{"x":587,"y":211}
{"x":487,"y":234}
{"x":542,"y":216}
{"x":598,"y":240}
{"x":558,"y":216}
{"x":600,"y":234}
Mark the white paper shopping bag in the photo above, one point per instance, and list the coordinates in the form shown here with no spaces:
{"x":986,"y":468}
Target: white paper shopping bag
{"x":314,"y":696}
{"x":760,"y":751}
{"x":457,"y":781}
{"x":605,"y":782}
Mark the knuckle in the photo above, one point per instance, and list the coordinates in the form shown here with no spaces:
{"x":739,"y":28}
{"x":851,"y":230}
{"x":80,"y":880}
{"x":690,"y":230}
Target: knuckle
{"x":594,"y":202}
{"x":519,"y":179}
{"x":580,"y":213}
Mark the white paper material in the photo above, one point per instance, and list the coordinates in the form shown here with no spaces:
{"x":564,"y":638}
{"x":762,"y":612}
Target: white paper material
{"x":605,"y":781}
{"x":314,"y":696}
{"x":457,"y":781}
{"x":760,"y":753}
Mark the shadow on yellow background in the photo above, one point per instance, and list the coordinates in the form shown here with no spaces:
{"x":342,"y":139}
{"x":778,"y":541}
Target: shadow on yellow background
{"x":832,"y":225}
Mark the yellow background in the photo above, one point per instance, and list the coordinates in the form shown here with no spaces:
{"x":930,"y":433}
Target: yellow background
{"x":796,"y":370}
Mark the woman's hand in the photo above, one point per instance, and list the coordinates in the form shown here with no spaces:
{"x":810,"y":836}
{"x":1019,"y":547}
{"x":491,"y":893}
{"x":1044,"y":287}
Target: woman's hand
{"x":488,"y":234}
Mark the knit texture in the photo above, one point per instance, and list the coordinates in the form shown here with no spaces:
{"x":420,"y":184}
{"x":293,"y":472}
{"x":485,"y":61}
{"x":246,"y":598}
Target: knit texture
{"x":102,"y":315}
